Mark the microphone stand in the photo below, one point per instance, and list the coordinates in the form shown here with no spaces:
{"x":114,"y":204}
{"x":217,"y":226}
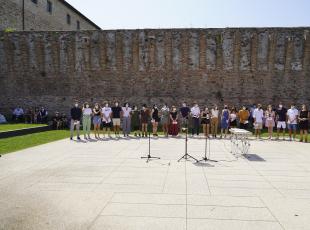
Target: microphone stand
{"x":186,"y":155}
{"x":205,"y":158}
{"x":149,"y":157}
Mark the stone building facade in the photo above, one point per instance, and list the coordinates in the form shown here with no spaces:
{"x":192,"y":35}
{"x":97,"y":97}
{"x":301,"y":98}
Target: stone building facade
{"x":233,"y":65}
{"x":42,"y":15}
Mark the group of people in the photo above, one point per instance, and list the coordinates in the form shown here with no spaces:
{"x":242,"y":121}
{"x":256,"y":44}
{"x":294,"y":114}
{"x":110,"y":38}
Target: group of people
{"x":282,"y":118}
{"x":187,"y":118}
{"x":39,"y":116}
{"x":59,"y":121}
{"x":31,"y":116}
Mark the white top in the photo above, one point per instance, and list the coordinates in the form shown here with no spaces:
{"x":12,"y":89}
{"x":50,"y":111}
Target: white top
{"x":165,"y":109}
{"x":195,"y":111}
{"x":258,"y":114}
{"x":106,"y":111}
{"x":126,"y":111}
{"x":214,"y":112}
{"x":18,"y":111}
{"x":87,"y":111}
{"x":233,"y":116}
{"x":292,"y":116}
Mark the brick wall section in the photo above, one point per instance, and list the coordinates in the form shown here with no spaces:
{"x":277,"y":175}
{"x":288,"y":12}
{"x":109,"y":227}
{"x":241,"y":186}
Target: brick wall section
{"x":37,"y":18}
{"x":233,"y":66}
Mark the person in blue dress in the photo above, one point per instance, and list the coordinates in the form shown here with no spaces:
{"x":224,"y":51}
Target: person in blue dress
{"x":224,"y":121}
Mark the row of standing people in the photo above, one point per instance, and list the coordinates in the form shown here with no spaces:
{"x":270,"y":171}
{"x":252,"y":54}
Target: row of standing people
{"x":282,"y":118}
{"x":172,"y":119}
{"x":131,"y":118}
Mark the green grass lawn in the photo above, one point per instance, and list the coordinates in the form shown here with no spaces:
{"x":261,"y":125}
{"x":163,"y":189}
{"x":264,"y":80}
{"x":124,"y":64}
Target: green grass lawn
{"x":9,"y":127}
{"x":12,"y":144}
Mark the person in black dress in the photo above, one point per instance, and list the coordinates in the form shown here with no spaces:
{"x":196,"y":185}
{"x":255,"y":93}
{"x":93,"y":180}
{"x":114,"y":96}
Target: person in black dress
{"x":174,"y":128}
{"x":303,"y":119}
{"x":205,"y":121}
{"x":144,"y":119}
{"x":155,"y":120}
{"x":116,"y":118}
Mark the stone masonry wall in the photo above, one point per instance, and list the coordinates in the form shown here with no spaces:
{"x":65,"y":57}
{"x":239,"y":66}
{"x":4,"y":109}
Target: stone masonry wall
{"x":234,"y":66}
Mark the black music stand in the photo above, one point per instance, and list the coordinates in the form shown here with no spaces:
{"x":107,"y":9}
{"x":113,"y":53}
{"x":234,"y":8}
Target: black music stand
{"x":186,"y":155}
{"x":149,"y":157}
{"x":205,"y":158}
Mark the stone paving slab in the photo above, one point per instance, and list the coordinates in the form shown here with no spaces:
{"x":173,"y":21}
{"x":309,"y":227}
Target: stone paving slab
{"x":106,"y":185}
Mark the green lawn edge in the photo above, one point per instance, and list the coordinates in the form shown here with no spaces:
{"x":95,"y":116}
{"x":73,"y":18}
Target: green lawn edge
{"x":13,"y":144}
{"x":14,"y":127}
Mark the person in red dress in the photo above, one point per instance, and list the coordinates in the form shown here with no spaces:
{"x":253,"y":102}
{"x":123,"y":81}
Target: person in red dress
{"x":174,"y":127}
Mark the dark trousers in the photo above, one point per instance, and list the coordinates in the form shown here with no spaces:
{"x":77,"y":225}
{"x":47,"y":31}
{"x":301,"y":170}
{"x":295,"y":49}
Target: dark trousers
{"x":19,"y":118}
{"x":243,"y":126}
{"x":195,"y":125}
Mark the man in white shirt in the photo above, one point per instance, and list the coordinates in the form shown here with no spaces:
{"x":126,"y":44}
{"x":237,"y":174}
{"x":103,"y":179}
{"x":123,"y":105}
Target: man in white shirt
{"x":292,"y":117}
{"x":195,"y":114}
{"x":258,"y":115}
{"x":18,"y":114}
{"x":126,"y":115}
{"x":106,"y":112}
{"x":214,"y":120}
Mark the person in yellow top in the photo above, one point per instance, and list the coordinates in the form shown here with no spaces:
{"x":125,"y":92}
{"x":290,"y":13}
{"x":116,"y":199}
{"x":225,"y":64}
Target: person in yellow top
{"x":243,"y":115}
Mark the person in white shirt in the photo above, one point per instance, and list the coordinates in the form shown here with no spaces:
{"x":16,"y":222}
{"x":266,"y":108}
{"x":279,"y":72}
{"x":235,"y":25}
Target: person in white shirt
{"x":258,"y":116}
{"x":87,"y":113}
{"x":214,"y":120}
{"x":292,"y":118}
{"x":106,"y":113}
{"x":18,"y":114}
{"x":195,"y":114}
{"x":126,"y":115}
{"x":165,"y":117}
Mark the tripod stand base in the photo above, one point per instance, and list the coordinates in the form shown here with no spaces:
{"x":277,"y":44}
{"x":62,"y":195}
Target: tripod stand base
{"x":205,"y":159}
{"x":186,"y":156}
{"x":149,"y":157}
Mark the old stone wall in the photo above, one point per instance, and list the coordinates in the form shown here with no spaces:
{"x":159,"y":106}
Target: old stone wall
{"x":234,"y":66}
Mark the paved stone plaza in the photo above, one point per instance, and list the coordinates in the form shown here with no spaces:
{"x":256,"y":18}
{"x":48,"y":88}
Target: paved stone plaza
{"x":105,"y":185}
